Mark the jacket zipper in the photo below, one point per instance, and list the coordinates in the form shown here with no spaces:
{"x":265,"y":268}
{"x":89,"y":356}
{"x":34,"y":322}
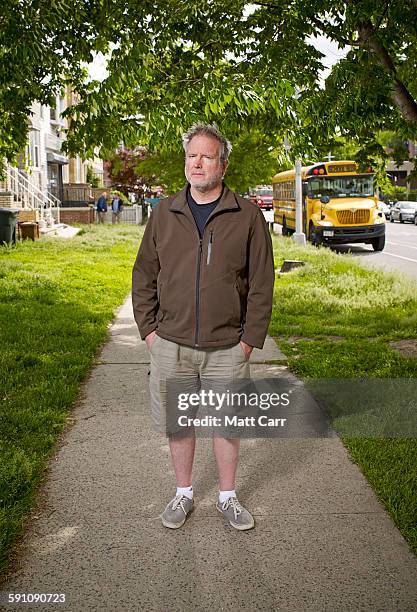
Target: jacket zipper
{"x":209,"y":247}
{"x":197,"y":292}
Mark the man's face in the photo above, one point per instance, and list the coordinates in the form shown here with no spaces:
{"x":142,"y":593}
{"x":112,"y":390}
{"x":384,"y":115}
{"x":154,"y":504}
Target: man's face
{"x":203,"y":168}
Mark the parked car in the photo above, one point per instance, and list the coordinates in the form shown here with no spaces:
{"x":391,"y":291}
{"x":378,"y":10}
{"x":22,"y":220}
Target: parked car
{"x":383,"y":207}
{"x":262,"y":196}
{"x":404,"y":211}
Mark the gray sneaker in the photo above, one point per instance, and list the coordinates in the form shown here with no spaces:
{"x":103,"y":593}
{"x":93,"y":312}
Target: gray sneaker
{"x":237,"y":515}
{"x":176,"y":512}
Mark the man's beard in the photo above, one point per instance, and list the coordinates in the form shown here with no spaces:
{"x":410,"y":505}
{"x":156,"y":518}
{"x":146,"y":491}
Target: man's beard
{"x":206,"y":185}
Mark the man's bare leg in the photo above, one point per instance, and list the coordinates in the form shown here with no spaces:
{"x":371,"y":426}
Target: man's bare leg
{"x":226,"y":451}
{"x":182,"y":449}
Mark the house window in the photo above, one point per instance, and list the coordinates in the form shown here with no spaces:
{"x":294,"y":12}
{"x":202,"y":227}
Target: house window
{"x":34,"y":148}
{"x":57,"y":109}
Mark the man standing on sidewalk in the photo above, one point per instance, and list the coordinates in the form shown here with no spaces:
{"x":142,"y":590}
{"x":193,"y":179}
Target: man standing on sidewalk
{"x":202,"y":299}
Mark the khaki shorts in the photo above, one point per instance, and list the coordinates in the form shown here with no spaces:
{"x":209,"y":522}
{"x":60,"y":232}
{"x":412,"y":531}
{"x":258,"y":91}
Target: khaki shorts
{"x":193,"y":368}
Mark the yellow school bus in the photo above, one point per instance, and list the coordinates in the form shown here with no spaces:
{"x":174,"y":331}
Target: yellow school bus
{"x":339,"y":205}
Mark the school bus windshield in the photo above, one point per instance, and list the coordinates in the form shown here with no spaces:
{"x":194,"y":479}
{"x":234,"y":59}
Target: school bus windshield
{"x":341,"y":186}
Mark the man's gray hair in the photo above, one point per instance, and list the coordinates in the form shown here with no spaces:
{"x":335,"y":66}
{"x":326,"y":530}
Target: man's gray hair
{"x":208,"y":129}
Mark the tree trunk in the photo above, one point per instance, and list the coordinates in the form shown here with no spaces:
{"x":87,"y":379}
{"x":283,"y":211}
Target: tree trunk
{"x":401,"y":97}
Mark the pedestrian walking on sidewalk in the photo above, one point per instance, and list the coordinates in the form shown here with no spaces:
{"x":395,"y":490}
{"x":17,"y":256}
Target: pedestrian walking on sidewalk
{"x":116,"y":208}
{"x":102,"y":207}
{"x":202,"y":299}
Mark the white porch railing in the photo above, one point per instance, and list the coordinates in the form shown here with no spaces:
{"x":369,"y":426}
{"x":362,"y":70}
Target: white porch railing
{"x":28,"y":195}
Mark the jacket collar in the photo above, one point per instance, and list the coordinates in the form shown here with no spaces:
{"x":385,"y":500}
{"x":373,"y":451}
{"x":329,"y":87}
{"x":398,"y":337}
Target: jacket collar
{"x":227,"y":201}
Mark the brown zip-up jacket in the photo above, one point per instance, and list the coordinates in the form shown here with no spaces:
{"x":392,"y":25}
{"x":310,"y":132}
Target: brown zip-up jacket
{"x":208,"y":292}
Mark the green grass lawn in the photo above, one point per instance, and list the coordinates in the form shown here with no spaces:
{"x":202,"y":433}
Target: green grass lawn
{"x":335,"y":319}
{"x":57,"y":298}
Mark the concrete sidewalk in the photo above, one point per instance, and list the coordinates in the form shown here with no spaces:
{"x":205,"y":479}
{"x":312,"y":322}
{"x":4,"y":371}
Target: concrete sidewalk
{"x":322,"y":541}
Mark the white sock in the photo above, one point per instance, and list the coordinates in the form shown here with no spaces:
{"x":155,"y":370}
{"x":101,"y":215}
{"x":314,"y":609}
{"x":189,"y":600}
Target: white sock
{"x":187,"y":491}
{"x":224,"y":495}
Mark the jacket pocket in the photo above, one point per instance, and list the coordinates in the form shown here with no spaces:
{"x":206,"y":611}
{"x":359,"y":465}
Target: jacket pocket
{"x":159,"y":292}
{"x":220,"y":312}
{"x":237,"y":302}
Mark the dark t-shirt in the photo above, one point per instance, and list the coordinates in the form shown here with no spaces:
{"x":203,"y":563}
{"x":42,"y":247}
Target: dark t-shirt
{"x":201,"y":212}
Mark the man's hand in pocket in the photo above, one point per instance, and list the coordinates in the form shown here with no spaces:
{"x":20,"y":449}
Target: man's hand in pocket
{"x":246,"y":348}
{"x":149,"y":339}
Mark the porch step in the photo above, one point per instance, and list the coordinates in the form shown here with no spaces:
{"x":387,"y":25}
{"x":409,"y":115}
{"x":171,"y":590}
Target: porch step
{"x":60,"y":229}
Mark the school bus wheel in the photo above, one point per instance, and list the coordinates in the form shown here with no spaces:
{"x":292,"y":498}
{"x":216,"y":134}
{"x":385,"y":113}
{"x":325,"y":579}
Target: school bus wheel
{"x":378,"y":243}
{"x":285,"y":230}
{"x":312,"y":235}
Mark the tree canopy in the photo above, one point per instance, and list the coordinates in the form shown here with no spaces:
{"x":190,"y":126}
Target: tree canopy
{"x":251,"y":162}
{"x":244,"y":66}
{"x":43,"y":47}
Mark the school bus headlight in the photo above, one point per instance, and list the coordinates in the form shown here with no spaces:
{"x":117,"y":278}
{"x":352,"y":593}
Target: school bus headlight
{"x":325,"y":223}
{"x":379,"y":219}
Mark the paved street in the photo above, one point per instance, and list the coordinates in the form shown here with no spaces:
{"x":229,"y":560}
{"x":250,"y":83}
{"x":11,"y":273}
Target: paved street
{"x":322,"y":542}
{"x":400,"y":253}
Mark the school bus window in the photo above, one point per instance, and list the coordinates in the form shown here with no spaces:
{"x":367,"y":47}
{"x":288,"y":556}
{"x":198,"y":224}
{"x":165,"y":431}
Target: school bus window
{"x":341,"y":186}
{"x":284,"y":191}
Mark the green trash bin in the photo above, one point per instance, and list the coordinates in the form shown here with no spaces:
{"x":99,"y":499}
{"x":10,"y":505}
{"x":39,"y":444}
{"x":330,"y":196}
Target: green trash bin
{"x":8,"y":222}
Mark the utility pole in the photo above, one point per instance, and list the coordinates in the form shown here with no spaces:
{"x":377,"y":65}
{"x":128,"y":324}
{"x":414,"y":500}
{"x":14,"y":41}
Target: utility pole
{"x":299,"y":237}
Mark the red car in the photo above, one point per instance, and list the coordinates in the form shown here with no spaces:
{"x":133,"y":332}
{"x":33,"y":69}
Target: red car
{"x":262,"y":197}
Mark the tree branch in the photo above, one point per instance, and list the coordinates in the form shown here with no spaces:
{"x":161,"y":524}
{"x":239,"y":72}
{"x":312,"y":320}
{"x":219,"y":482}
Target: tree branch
{"x":331,"y":32}
{"x":384,"y":12}
{"x":273,"y":6}
{"x":401,"y":97}
{"x":323,"y":27}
